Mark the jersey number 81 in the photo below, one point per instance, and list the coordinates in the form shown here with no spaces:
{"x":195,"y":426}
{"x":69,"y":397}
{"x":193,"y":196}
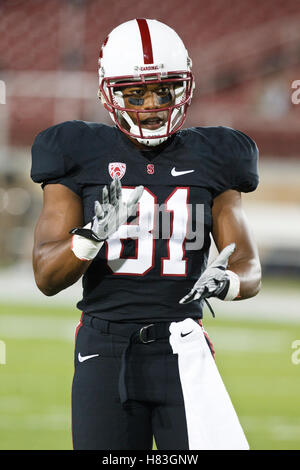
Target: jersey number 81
{"x":144,"y":232}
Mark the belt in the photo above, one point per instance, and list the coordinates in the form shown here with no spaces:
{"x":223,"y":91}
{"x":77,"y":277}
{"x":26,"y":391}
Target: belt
{"x":135,"y":333}
{"x":144,"y":333}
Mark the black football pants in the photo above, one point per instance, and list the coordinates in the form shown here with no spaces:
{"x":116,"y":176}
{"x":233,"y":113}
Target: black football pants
{"x":154,"y":405}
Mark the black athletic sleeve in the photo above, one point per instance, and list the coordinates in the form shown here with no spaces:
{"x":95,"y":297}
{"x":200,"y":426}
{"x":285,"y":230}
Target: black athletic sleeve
{"x":244,"y":162}
{"x":52,"y":160}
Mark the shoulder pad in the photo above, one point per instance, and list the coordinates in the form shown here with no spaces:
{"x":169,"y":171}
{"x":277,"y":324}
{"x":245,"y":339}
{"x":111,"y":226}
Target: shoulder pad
{"x":52,"y":151}
{"x":231,"y":157}
{"x":244,"y":160}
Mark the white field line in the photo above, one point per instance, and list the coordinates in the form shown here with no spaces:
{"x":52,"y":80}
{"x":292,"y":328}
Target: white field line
{"x":273,"y":306}
{"x":248,"y":339}
{"x":18,"y":286}
{"x":275,"y":428}
{"x":45,"y":421}
{"x":223,"y":338}
{"x":279,"y":428}
{"x":33,"y":327}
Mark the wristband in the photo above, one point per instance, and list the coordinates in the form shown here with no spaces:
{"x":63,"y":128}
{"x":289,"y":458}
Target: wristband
{"x":84,"y":248}
{"x":234,"y":285}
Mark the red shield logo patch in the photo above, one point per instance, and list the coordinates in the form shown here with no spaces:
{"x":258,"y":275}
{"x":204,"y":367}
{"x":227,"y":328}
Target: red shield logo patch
{"x":117,"y":169}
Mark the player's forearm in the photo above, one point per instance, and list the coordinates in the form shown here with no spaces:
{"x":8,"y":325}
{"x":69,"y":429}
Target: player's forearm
{"x":56,"y":267}
{"x":249,"y":273}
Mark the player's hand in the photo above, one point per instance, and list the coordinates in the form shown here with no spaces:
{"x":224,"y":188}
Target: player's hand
{"x":110,"y":214}
{"x":215,"y":281}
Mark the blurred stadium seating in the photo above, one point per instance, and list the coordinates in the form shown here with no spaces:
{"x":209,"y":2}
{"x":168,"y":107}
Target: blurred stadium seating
{"x":246,"y":54}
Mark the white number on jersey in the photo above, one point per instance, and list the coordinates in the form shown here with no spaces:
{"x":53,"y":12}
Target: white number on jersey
{"x":142,"y":234}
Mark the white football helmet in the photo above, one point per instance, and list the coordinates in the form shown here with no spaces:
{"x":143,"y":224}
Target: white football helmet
{"x":145,"y":51}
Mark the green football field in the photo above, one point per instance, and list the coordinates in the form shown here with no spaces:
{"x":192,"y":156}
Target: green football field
{"x":256,"y":359}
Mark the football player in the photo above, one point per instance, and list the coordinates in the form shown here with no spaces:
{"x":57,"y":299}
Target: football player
{"x":144,"y":366}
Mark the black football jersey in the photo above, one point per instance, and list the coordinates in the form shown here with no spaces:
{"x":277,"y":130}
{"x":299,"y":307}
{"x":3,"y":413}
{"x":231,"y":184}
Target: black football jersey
{"x":143,"y":270}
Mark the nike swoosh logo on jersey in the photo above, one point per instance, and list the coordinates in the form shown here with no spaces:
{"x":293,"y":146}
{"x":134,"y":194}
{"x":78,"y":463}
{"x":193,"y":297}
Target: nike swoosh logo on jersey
{"x":85,"y":358}
{"x":185,"y":334}
{"x":174,"y":172}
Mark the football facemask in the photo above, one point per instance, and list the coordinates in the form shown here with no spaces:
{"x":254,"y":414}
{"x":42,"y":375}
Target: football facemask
{"x":141,"y":52}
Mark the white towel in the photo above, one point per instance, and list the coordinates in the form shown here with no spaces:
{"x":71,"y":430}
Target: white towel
{"x":212,"y":422}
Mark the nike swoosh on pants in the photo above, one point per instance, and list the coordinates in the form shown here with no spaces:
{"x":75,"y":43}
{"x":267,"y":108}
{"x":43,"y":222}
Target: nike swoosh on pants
{"x":85,"y":358}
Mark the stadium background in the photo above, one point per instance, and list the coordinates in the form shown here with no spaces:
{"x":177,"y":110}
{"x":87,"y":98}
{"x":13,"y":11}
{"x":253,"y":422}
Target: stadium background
{"x":246,"y":56}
